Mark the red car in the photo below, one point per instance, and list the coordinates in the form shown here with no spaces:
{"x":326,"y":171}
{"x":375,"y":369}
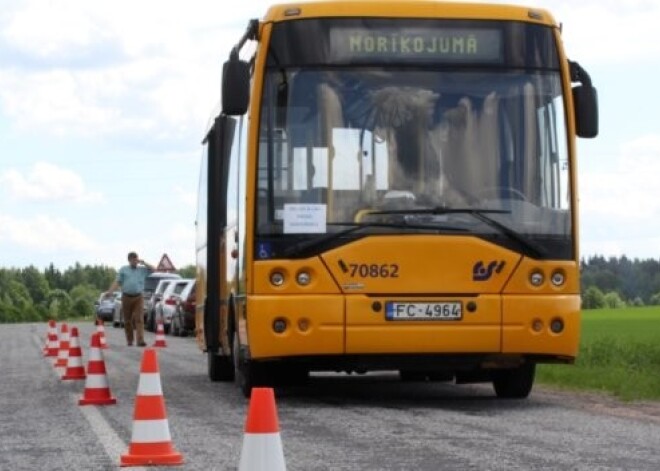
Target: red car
{"x":183,"y":319}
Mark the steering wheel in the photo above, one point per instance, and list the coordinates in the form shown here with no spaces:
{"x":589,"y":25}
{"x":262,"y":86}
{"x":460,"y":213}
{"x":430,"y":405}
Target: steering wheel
{"x":496,"y":190}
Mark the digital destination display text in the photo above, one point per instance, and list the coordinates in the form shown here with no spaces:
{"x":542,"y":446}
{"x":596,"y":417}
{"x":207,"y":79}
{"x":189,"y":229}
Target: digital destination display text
{"x":445,"y":45}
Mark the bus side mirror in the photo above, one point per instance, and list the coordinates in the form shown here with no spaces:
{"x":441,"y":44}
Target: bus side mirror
{"x":585,"y":99}
{"x":235,"y":86}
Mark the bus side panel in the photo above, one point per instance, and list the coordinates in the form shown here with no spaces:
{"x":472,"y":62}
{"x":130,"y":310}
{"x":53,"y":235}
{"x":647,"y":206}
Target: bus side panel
{"x":519,"y":314}
{"x":368,"y":331}
{"x":322,"y":315}
{"x":200,"y":298}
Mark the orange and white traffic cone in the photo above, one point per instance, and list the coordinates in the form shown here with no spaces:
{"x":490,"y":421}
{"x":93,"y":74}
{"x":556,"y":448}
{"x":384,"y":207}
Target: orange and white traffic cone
{"x":262,"y":445}
{"x":97,"y":391}
{"x":151,"y":443}
{"x":74,"y":366}
{"x":160,"y":335}
{"x":100,"y":329}
{"x":62,"y":351}
{"x":52,"y":344}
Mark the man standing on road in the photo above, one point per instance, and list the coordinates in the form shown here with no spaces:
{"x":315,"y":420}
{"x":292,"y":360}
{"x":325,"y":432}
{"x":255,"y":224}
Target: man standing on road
{"x":131,"y":279}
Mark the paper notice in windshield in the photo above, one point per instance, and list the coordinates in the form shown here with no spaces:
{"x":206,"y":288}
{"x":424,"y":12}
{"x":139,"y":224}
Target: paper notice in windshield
{"x":304,"y":218}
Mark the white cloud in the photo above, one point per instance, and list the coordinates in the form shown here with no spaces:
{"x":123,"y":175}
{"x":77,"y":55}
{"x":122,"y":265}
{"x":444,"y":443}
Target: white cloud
{"x":606,"y":31}
{"x":47,"y":29}
{"x":47,"y":182}
{"x":620,"y":207}
{"x":630,"y":192}
{"x":44,"y":233}
{"x":57,"y":102}
{"x":188,"y":198}
{"x":160,"y":75}
{"x":182,"y":233}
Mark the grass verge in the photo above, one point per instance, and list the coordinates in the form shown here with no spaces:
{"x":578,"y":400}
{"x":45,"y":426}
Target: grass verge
{"x":619,"y":354}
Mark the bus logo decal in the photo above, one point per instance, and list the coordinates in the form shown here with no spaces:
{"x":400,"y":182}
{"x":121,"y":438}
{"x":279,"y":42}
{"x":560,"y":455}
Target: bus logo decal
{"x":481,"y":272}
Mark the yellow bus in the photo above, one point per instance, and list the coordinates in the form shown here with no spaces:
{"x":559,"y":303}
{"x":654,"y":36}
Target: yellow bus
{"x":391,"y":185}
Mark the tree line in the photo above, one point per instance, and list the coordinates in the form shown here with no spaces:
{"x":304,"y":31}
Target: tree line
{"x":32,"y":295}
{"x":619,"y":281}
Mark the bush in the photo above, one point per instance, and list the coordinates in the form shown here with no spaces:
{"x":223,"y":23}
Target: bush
{"x":82,"y":308}
{"x":637,"y":302}
{"x":9,"y":313}
{"x":593,"y":298}
{"x":613,"y":300}
{"x":655,"y":300}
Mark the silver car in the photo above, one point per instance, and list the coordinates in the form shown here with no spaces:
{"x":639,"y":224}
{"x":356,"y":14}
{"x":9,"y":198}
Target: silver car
{"x":107,"y":307}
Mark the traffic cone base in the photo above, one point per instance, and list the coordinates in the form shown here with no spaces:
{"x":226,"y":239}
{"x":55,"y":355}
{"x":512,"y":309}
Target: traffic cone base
{"x":151,"y":443}
{"x":97,"y":391}
{"x":101,"y":400}
{"x":155,"y":453}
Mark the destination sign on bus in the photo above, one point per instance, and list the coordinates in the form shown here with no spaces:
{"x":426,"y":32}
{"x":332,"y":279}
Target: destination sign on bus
{"x":426,"y":44}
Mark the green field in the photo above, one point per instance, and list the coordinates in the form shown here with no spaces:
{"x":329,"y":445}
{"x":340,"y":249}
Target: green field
{"x":619,"y":354}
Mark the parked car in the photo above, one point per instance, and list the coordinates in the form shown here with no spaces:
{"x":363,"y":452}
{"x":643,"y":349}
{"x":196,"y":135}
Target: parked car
{"x":153,"y":303}
{"x":118,"y":316}
{"x":167,"y":305}
{"x":150,"y":285}
{"x":106,"y":306}
{"x":183,"y":320}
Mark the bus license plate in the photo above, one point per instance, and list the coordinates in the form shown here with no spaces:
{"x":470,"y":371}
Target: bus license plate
{"x":446,"y":311}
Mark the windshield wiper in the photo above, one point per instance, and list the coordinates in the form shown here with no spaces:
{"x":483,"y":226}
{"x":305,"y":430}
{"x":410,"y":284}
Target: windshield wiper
{"x":297,"y":249}
{"x":532,"y":249}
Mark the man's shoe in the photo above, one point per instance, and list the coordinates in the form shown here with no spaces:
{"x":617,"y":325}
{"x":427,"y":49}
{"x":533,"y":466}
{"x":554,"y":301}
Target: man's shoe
{"x":130,"y":344}
{"x":141,"y":344}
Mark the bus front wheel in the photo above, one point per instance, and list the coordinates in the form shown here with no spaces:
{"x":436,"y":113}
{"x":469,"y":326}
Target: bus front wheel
{"x":514,"y":383}
{"x":247,"y":373}
{"x":220,"y":367}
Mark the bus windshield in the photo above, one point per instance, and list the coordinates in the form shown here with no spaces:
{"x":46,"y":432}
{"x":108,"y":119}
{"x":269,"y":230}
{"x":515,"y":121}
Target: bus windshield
{"x":373,"y":141}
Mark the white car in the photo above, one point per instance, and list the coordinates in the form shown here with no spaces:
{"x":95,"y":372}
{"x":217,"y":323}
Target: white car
{"x":166,"y":306}
{"x":151,"y":313}
{"x":151,"y":286}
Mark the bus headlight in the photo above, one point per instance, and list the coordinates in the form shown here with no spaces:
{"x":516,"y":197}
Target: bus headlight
{"x":536,"y":278}
{"x":558,"y":278}
{"x":277,"y":278}
{"x":303,"y":278}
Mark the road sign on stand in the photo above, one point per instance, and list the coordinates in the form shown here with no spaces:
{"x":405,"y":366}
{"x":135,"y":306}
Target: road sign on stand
{"x":165,"y":264}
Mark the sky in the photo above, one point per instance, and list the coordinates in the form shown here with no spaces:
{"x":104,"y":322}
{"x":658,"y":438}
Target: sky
{"x":103,"y":106}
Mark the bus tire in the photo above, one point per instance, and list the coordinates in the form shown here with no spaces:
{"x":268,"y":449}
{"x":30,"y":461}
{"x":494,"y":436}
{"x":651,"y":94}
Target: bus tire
{"x":247,"y":374}
{"x":290,"y":375}
{"x":515,"y":383}
{"x":220,"y":367}
{"x":411,"y":375}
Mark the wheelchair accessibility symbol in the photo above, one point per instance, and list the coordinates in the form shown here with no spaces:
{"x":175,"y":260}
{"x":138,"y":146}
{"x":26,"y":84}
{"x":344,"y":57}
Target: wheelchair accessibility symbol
{"x":264,"y":250}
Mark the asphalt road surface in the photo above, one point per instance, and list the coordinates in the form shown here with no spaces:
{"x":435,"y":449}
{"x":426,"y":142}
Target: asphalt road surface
{"x":336,"y":422}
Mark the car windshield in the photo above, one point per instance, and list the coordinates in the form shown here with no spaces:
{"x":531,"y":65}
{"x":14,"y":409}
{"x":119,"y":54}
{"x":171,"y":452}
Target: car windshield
{"x":151,"y":282}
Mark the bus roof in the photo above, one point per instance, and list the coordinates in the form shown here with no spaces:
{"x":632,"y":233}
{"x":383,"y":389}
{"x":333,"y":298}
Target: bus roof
{"x":407,"y":9}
